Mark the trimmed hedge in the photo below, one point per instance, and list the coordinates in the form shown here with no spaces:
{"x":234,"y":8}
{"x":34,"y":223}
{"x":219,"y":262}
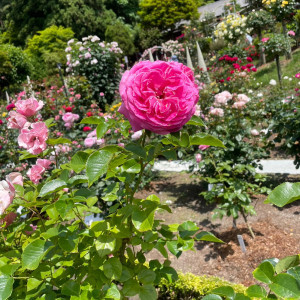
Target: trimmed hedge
{"x":192,"y":287}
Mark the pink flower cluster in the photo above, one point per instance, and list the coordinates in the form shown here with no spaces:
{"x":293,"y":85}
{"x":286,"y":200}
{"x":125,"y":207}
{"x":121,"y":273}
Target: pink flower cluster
{"x":91,"y":140}
{"x":36,"y":172}
{"x":7,"y":190}
{"x":69,"y":119}
{"x":32,"y":136}
{"x":241,"y":101}
{"x":158,"y":96}
{"x":222,"y":98}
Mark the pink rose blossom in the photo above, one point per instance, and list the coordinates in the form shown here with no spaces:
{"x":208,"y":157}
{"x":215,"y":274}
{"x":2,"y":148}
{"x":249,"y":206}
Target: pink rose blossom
{"x":92,"y":134}
{"x":45,"y":163}
{"x":70,"y":117}
{"x":87,"y":55}
{"x":15,"y":178}
{"x":101,"y":94}
{"x":198,"y":157}
{"x":158,"y":96}
{"x":100,"y":142}
{"x":16,"y":120}
{"x":28,"y":107}
{"x":297,"y":75}
{"x":90,"y":141}
{"x":203,"y":147}
{"x":291,"y":33}
{"x":222,"y":98}
{"x":265,"y":39}
{"x":137,"y":135}
{"x":7,"y":193}
{"x":217,"y":112}
{"x":34,"y":140}
{"x":239,"y":105}
{"x":243,"y":98}
{"x":35,"y":173}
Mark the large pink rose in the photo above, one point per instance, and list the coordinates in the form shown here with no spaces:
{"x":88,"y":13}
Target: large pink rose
{"x":158,"y":96}
{"x":70,"y":117}
{"x":16,"y":120}
{"x":35,"y":173}
{"x":15,"y":178}
{"x":7,"y":193}
{"x":45,"y":163}
{"x":28,"y":107}
{"x":34,"y":140}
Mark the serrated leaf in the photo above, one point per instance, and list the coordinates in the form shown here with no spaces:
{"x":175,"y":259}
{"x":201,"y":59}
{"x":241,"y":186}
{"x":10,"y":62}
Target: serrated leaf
{"x":147,"y":292}
{"x":226,"y":291}
{"x":33,"y":254}
{"x":33,"y":283}
{"x":101,"y":130}
{"x":212,"y":297}
{"x":113,"y":293}
{"x":58,"y":141}
{"x":187,"y":229}
{"x":143,"y":220}
{"x":284,"y":194}
{"x":97,"y":165}
{"x":92,"y":120}
{"x":136,"y":149}
{"x":286,"y":263}
{"x":131,"y":288}
{"x":146,"y":276}
{"x":197,"y":121}
{"x":52,"y":187}
{"x":70,"y":288}
{"x":256,"y":291}
{"x":78,"y":161}
{"x":105,"y":245}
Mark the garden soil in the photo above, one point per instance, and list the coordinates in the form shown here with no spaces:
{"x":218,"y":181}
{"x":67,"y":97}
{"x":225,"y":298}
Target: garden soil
{"x":277,"y":230}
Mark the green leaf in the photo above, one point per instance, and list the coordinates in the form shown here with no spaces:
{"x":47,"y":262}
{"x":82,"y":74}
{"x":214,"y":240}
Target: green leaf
{"x":78,"y":161}
{"x":52,"y":187}
{"x":101,"y":130}
{"x":26,"y":155}
{"x":48,"y":121}
{"x":173,"y":248}
{"x":131,"y":166}
{"x":169,"y":273}
{"x":206,"y":139}
{"x":143,"y":220}
{"x":264,"y":273}
{"x":226,"y":291}
{"x":285,"y":286}
{"x":147,"y":292}
{"x":256,"y":291}
{"x":187,"y":229}
{"x":112,"y":268}
{"x":184,"y":140}
{"x":240,"y":296}
{"x":113,"y":293}
{"x":131,"y":288}
{"x":63,"y":207}
{"x":6,"y":286}
{"x":97,"y":165}
{"x":33,"y":283}
{"x":295,"y":272}
{"x":92,"y":120}
{"x":286,"y":263}
{"x":70,"y":288}
{"x":33,"y":254}
{"x":284,"y":194}
{"x":212,"y":297}
{"x":197,"y":121}
{"x":136,"y":149}
{"x":105,"y":245}
{"x":207,"y":236}
{"x":58,"y":141}
{"x":146,"y":276}
{"x":77,"y":179}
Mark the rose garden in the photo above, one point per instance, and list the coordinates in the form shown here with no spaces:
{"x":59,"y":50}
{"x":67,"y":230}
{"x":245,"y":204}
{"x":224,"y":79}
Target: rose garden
{"x":135,"y":139}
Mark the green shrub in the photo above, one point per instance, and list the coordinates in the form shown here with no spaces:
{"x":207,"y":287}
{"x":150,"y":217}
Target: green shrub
{"x":47,"y":48}
{"x":121,"y":34}
{"x":14,"y":66}
{"x":189,"y":287}
{"x":150,"y":37}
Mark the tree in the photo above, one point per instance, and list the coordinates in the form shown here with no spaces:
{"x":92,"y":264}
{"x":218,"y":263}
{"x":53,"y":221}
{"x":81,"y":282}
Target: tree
{"x":85,"y":17}
{"x":165,"y":14}
{"x":121,"y":34}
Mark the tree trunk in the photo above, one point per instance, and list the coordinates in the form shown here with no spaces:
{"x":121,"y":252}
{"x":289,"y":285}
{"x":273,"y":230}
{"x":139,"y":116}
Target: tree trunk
{"x":278,"y":69}
{"x":262,"y":56}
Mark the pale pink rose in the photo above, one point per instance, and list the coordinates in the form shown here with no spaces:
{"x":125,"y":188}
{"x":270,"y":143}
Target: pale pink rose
{"x":70,"y":117}
{"x":197,"y":111}
{"x":15,"y":178}
{"x":90,"y":141}
{"x":254,"y":132}
{"x":35,"y":173}
{"x":159,"y":96}
{"x":222,"y":98}
{"x":28,"y":107}
{"x":121,"y":145}
{"x":243,"y":98}
{"x":198,"y":157}
{"x":68,"y":125}
{"x":100,"y":142}
{"x":203,"y":147}
{"x":45,"y":163}
{"x":65,"y":190}
{"x":239,"y":105}
{"x":57,"y":117}
{"x":92,"y":134}
{"x":87,"y":55}
{"x":217,"y":112}
{"x":65,"y":148}
{"x":34,"y":140}
{"x":16,"y":120}
{"x":7,"y":193}
{"x":264,"y":39}
{"x":101,"y":94}
{"x":291,"y":33}
{"x":137,"y":135}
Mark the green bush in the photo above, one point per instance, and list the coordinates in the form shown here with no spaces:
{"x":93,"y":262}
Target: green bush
{"x":150,"y":37}
{"x":14,"y":66}
{"x":47,"y":48}
{"x":189,"y":287}
{"x":121,"y":34}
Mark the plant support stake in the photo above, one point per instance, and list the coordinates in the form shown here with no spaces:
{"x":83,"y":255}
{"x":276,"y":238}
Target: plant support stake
{"x":242,"y":243}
